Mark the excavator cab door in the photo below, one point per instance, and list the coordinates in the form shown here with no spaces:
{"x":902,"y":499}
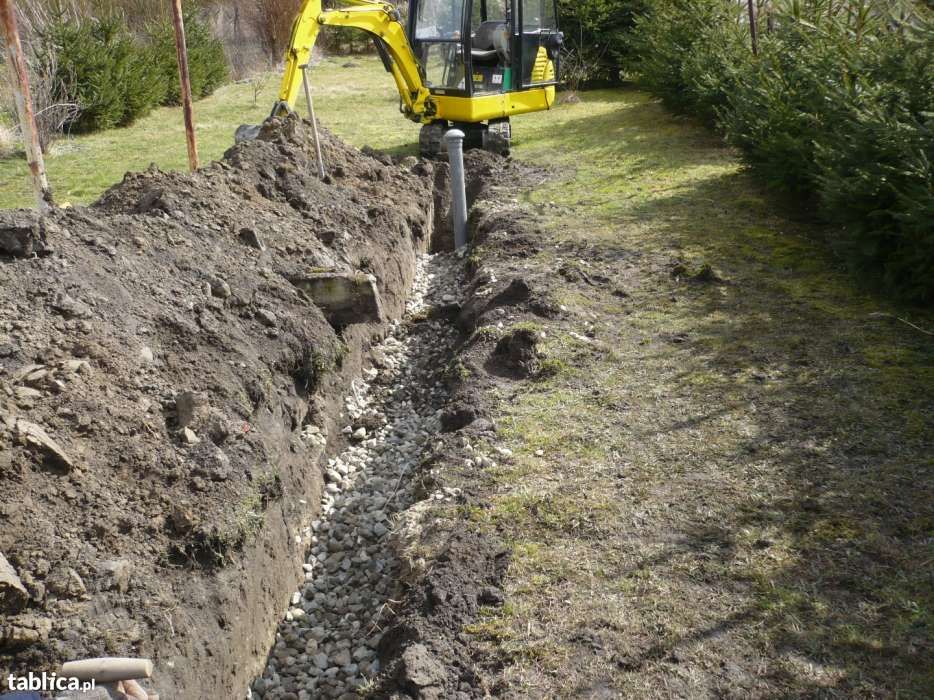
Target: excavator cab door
{"x":491,"y":46}
{"x":539,"y":43}
{"x":515,"y":45}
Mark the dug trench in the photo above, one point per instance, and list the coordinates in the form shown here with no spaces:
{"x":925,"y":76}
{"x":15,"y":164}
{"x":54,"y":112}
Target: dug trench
{"x":208,"y":461}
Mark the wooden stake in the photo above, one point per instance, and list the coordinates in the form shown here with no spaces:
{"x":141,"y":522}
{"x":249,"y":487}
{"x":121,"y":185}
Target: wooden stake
{"x":314,"y":122}
{"x":24,"y":111}
{"x":185,"y":81}
{"x":753,"y":30}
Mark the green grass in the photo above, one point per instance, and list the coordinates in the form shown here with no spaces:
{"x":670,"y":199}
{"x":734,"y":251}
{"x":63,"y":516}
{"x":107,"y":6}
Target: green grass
{"x":747,"y":511}
{"x":359,"y":103}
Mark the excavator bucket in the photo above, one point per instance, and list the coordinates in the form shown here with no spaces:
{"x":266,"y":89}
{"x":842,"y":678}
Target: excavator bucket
{"x":247,"y":132}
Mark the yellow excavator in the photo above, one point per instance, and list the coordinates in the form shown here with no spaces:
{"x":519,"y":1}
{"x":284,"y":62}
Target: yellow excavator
{"x":469,"y":64}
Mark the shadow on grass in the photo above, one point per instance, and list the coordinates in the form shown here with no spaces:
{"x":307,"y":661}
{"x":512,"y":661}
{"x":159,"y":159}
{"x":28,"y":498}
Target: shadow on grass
{"x":407,"y":149}
{"x":838,"y":462}
{"x":774,"y":441}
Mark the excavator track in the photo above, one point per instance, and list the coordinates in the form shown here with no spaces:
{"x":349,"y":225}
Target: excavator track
{"x":431,"y":140}
{"x":498,"y":136}
{"x":495,"y":137}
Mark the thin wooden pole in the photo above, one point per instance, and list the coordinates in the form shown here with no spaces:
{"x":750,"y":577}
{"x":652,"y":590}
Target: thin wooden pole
{"x":23,"y":99}
{"x":314,"y":122}
{"x":753,"y":30}
{"x":184,"y":80}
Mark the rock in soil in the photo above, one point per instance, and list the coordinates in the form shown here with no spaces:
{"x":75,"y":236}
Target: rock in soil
{"x":13,"y":595}
{"x":21,"y":234}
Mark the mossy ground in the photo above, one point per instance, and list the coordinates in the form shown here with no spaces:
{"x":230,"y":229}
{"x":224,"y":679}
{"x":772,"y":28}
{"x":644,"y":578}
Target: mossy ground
{"x":728,"y":493}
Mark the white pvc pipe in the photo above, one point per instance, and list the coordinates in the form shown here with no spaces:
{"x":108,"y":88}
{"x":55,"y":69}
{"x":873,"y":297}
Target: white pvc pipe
{"x":108,"y":670}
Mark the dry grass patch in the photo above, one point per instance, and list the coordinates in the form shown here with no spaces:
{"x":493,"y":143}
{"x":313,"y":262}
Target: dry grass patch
{"x":726,"y":492}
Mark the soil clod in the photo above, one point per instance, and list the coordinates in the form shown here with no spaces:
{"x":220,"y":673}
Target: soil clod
{"x":518,"y":352}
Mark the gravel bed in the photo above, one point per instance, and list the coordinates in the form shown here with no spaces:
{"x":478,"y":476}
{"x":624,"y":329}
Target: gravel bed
{"x":326,"y":644}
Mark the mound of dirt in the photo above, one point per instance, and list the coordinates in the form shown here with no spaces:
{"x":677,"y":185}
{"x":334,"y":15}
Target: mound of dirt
{"x":517,"y":353}
{"x":166,"y":394}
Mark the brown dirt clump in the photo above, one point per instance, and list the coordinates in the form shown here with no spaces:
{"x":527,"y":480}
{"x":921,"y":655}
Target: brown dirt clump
{"x":166,"y":393}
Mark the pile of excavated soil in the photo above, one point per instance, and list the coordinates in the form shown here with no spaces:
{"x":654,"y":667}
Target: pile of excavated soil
{"x":453,"y":567}
{"x":167,"y":395}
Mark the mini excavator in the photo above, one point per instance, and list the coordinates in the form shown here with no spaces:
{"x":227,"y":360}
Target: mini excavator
{"x":466,"y":64}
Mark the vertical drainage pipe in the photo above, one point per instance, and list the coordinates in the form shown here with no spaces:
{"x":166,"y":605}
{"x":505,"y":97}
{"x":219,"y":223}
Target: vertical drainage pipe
{"x":455,"y":143}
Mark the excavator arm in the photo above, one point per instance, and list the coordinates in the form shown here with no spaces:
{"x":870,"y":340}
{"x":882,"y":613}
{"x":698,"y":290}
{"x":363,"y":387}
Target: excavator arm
{"x":379,"y":19}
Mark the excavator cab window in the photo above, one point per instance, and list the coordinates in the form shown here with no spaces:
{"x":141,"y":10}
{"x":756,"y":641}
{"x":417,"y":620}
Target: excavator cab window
{"x":540,"y":41}
{"x":490,"y":46}
{"x":484,"y":47}
{"x":438,"y":43}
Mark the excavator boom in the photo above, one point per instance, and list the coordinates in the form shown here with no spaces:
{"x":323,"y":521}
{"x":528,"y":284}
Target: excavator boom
{"x":379,"y":19}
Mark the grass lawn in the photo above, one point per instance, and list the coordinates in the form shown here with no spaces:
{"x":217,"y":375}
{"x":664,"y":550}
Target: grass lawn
{"x":359,"y":103}
{"x":729,"y":495}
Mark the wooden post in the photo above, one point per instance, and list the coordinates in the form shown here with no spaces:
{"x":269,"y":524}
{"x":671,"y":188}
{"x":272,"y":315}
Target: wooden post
{"x":24,"y":111}
{"x":185,"y":81}
{"x":753,"y":31}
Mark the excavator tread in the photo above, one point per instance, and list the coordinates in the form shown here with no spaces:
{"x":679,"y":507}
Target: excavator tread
{"x":498,"y":136}
{"x":495,"y":137}
{"x":431,"y":140}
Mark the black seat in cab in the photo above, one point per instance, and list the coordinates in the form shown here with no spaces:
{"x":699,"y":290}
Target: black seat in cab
{"x":490,"y":42}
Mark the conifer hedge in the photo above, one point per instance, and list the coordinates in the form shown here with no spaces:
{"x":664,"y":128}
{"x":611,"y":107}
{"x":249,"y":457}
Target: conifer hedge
{"x":114,"y":76}
{"x":837,"y":107}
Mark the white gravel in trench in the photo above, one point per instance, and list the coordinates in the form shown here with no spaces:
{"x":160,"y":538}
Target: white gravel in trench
{"x":326,"y":645}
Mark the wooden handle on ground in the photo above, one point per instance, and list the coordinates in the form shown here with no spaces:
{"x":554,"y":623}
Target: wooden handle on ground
{"x":108,"y":670}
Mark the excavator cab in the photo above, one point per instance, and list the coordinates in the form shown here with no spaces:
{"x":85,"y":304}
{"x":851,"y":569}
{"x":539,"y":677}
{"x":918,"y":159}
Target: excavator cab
{"x":483,"y":61}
